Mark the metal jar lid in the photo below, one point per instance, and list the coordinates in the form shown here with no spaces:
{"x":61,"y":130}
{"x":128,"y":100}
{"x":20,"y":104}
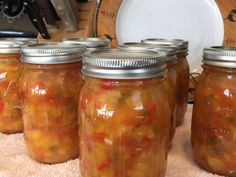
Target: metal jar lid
{"x":123,"y":64}
{"x":20,"y":40}
{"x":91,"y":43}
{"x":180,"y":44}
{"x":166,"y":49}
{"x":52,"y":53}
{"x":222,"y":56}
{"x":9,"y":47}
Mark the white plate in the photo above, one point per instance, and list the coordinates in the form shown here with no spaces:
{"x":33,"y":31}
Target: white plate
{"x":198,"y":21}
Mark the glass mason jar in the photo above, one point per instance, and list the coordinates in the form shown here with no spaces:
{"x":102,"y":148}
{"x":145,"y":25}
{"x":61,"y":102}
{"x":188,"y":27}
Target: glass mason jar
{"x":214,"y":112}
{"x":91,"y":43}
{"x":50,"y":85}
{"x":124,"y":114}
{"x":182,"y":72}
{"x":183,"y":80}
{"x":10,"y":107}
{"x":170,"y":85}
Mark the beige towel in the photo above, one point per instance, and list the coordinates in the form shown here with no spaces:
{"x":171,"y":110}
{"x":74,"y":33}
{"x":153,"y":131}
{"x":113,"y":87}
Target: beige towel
{"x":15,"y":162}
{"x":180,"y":161}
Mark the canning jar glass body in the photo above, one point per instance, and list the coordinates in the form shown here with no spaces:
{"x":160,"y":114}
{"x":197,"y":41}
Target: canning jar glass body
{"x":10,"y":107}
{"x":50,"y":101}
{"x":124,"y":128}
{"x":171,"y":88}
{"x":214,"y":120}
{"x":182,"y":87}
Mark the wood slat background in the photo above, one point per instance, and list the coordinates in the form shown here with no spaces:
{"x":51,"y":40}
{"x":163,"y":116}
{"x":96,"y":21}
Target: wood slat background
{"x":228,"y":11}
{"x":105,"y":21}
{"x":86,"y":17}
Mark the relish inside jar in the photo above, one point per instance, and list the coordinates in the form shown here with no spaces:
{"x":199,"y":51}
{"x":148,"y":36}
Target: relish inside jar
{"x":214,"y":113}
{"x":124,"y":114}
{"x":90,"y":43}
{"x":170,"y":83}
{"x":182,"y":72}
{"x":10,"y":106}
{"x":171,"y":89}
{"x":183,"y":85}
{"x":50,"y":85}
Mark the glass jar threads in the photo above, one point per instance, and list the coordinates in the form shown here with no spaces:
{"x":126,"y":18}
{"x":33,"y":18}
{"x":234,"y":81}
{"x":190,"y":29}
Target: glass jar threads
{"x":50,"y":85}
{"x":214,"y":113}
{"x":10,"y":107}
{"x":91,"y":43}
{"x":170,"y":86}
{"x":182,"y":71}
{"x":124,"y":114}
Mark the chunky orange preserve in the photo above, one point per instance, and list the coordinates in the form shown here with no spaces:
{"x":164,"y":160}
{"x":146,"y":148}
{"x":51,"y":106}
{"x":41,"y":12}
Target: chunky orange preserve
{"x":182,"y":87}
{"x":124,"y":128}
{"x":10,"y":107}
{"x":171,"y":88}
{"x":50,"y":101}
{"x":214,"y":120}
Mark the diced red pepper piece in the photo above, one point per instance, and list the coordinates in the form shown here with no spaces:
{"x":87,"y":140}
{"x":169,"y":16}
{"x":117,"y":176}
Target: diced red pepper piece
{"x":104,"y":164}
{"x":107,"y":84}
{"x":1,"y":106}
{"x":41,"y":85}
{"x":98,"y":136}
{"x":145,"y":143}
{"x":152,"y":107}
{"x":131,"y":143}
{"x":97,"y":104}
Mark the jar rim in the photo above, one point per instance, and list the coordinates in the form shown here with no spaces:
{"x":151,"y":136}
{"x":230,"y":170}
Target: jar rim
{"x":166,"y":49}
{"x":222,"y":56}
{"x":123,"y":64}
{"x":180,"y":44}
{"x":52,"y":53}
{"x":10,"y":47}
{"x":90,"y":43}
